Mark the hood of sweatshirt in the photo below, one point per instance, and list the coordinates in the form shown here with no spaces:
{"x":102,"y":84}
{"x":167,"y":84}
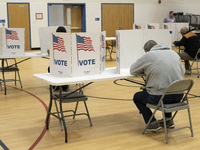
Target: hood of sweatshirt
{"x":160,"y":47}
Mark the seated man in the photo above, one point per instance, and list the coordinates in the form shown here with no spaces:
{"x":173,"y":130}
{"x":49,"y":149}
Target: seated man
{"x":191,"y":43}
{"x":161,"y":66}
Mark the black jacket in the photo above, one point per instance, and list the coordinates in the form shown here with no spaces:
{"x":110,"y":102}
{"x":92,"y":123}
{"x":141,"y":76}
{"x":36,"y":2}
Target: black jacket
{"x":191,"y":43}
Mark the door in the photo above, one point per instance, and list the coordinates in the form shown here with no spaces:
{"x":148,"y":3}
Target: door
{"x":18,"y":17}
{"x":116,"y":17}
{"x":73,"y":17}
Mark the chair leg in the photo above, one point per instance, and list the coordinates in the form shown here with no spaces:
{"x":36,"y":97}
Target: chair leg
{"x":19,"y":79}
{"x":49,"y":108}
{"x":165,"y":127}
{"x":197,"y":69}
{"x":191,"y":129}
{"x":75,"y":110}
{"x":15,"y":78}
{"x":4,"y":82}
{"x":149,"y":121}
{"x":62,"y":116}
{"x":58,"y":115}
{"x":88,"y":114}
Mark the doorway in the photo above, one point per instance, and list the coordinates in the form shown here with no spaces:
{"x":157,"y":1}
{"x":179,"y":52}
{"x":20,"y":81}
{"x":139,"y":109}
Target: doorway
{"x":68,"y":15}
{"x":19,"y":17}
{"x":116,"y":17}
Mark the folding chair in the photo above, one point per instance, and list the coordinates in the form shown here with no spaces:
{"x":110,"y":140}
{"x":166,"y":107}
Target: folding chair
{"x":197,"y":59}
{"x":11,"y":68}
{"x":177,"y":87}
{"x":67,"y":97}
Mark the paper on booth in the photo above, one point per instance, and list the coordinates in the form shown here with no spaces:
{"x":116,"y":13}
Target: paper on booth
{"x":12,"y":41}
{"x":60,"y":54}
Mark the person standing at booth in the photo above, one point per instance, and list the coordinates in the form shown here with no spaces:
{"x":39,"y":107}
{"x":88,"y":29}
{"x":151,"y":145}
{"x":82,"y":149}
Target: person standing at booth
{"x":170,"y":18}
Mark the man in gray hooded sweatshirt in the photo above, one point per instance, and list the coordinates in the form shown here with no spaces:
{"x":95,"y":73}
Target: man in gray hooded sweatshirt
{"x":161,"y":67}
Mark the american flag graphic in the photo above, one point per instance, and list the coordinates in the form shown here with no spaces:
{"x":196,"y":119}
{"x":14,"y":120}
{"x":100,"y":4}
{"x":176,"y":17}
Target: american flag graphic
{"x":84,"y":43}
{"x":151,"y":27}
{"x":10,"y":34}
{"x":102,"y":41}
{"x":58,"y":44}
{"x":166,"y":26}
{"x":138,"y":27}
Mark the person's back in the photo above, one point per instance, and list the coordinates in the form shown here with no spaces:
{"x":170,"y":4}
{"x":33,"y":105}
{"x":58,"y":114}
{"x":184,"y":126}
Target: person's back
{"x":192,"y":43}
{"x":161,"y":67}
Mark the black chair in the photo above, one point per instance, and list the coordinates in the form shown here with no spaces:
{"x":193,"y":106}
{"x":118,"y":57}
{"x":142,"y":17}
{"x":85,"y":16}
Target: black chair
{"x":66,"y":97}
{"x":9,"y":68}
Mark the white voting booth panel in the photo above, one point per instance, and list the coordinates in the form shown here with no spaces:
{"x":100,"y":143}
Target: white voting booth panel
{"x":103,"y":50}
{"x":175,"y":29}
{"x":60,"y":54}
{"x":44,"y":35}
{"x":130,"y":44}
{"x":77,"y":54}
{"x":146,"y":26}
{"x":12,"y":41}
{"x":86,"y":53}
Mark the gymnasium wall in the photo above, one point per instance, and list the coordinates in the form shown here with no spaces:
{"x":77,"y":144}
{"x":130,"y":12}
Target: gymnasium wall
{"x":145,"y":11}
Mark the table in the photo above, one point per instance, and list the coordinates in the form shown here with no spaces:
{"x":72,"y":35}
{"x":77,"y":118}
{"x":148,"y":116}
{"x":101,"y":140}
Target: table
{"x":108,"y":74}
{"x":107,"y":48}
{"x":13,"y":67}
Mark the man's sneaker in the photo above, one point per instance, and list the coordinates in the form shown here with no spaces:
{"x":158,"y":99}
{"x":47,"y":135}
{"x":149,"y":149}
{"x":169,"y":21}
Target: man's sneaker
{"x":154,"y":126}
{"x":188,"y":72}
{"x":170,"y":124}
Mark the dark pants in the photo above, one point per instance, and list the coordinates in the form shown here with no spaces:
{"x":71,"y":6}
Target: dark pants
{"x":142,"y":98}
{"x":184,"y":56}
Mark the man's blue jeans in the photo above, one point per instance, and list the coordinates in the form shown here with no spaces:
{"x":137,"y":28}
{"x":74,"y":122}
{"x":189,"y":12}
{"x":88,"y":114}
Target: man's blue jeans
{"x":142,"y":98}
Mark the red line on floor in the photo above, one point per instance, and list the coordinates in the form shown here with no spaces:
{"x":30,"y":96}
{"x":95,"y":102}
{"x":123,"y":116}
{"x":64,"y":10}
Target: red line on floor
{"x":46,"y":108}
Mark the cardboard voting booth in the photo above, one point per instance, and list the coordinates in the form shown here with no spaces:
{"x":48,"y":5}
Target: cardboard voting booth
{"x":139,"y":26}
{"x":44,"y":36}
{"x":130,"y":43}
{"x":12,"y":41}
{"x":175,"y":29}
{"x":77,"y":54}
{"x":60,"y":54}
{"x":152,"y":26}
{"x":146,"y":26}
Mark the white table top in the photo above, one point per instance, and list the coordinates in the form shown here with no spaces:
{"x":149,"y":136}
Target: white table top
{"x":108,"y":74}
{"x":110,"y":38}
{"x":26,"y":55}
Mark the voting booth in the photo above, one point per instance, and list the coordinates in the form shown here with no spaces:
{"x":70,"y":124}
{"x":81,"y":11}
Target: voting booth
{"x":12,"y":41}
{"x":44,"y":36}
{"x":130,"y":43}
{"x":77,"y":54}
{"x":139,"y":26}
{"x":146,"y":26}
{"x":175,"y":29}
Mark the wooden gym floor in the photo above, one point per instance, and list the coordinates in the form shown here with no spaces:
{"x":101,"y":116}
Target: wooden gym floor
{"x":117,"y":123}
